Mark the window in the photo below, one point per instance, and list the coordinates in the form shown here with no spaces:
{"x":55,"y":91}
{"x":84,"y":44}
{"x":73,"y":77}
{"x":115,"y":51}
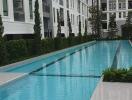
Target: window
{"x":67,"y":3}
{"x":120,"y":15}
{"x":104,"y":25}
{"x":54,"y":15}
{"x":104,"y":16}
{"x":104,"y":6}
{"x":124,"y":14}
{"x":119,"y":5}
{"x":124,"y":5}
{"x":61,"y":2}
{"x":5,"y":8}
{"x":31,"y":9}
{"x":129,"y":4}
{"x":18,"y":10}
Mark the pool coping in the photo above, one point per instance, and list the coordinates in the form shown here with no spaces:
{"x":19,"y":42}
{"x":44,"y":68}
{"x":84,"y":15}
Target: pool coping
{"x":112,"y":91}
{"x":6,"y":77}
{"x":34,"y":59}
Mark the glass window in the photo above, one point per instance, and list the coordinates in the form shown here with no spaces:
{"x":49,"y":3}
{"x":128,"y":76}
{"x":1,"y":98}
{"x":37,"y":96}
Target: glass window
{"x":67,"y":3}
{"x":124,"y":14}
{"x":31,"y":9}
{"x":5,"y":8}
{"x":119,"y":5}
{"x":61,"y":2}
{"x":18,"y":10}
{"x":104,"y":25}
{"x":54,"y":15}
{"x":119,"y":15}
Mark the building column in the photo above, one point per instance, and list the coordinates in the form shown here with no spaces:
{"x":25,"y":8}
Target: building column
{"x":1,"y":5}
{"x":11,"y":10}
{"x":126,"y":7}
{"x":41,"y":16}
{"x":117,"y":5}
{"x":107,"y":5}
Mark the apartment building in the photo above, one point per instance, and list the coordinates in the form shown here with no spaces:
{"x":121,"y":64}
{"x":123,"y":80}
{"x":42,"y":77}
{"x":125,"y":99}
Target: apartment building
{"x":119,"y":8}
{"x":18,"y":16}
{"x":78,"y":10}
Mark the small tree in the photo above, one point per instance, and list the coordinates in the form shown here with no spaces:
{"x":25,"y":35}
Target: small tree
{"x":95,"y":20}
{"x":86,"y":30}
{"x":37,"y":29}
{"x":3,"y":51}
{"x":69,"y":25}
{"x":59,"y":25}
{"x":128,"y":19}
{"x":80,"y":28}
{"x":127,"y":27}
{"x":112,"y":27}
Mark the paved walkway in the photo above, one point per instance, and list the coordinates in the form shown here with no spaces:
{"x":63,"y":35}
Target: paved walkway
{"x":113,"y":91}
{"x":8,"y":77}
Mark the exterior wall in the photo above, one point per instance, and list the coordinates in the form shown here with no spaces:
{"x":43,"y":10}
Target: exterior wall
{"x":73,"y":11}
{"x":123,"y":11}
{"x":17,"y":27}
{"x":26,"y":27}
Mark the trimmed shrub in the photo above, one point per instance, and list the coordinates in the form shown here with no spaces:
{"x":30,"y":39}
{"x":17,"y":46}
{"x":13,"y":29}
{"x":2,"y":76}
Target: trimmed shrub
{"x":30,"y":47}
{"x":17,"y":49}
{"x":3,"y":52}
{"x":117,"y":75}
{"x":47,"y":45}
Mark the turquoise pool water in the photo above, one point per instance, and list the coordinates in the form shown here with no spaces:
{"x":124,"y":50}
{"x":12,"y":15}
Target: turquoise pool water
{"x":71,"y":75}
{"x":125,"y":55}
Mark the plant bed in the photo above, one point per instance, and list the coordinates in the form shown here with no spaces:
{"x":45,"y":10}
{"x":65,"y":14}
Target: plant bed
{"x":118,"y":75}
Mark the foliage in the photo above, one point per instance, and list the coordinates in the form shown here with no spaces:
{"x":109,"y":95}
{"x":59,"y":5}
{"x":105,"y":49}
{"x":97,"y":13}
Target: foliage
{"x":16,"y":49}
{"x":23,"y":49}
{"x":48,"y":45}
{"x":117,"y":75}
{"x":69,"y":24}
{"x":37,"y":29}
{"x":3,"y":51}
{"x":127,"y":27}
{"x":59,"y":24}
{"x":112,"y":28}
{"x":1,"y":27}
{"x":80,"y":28}
{"x":95,"y":20}
{"x":86,"y":25}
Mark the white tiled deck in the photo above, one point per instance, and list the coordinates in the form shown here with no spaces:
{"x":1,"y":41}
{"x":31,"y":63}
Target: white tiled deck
{"x":8,"y":77}
{"x":113,"y":91}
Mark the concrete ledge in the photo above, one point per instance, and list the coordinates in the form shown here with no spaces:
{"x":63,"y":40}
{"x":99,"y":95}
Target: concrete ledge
{"x":112,"y":91}
{"x":5,"y":78}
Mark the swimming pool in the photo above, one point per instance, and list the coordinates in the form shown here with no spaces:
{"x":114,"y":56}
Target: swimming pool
{"x":71,"y":75}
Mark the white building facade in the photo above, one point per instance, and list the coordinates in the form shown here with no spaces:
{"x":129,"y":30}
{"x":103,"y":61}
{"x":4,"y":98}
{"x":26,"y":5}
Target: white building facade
{"x":118,"y":7}
{"x":18,"y":16}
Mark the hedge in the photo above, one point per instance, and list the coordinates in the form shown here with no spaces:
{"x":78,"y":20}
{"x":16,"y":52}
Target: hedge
{"x":117,"y":75}
{"x":22,"y":49}
{"x":16,"y":49}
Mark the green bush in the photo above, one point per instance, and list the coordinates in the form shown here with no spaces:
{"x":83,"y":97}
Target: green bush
{"x":47,"y":45}
{"x":3,"y":52}
{"x":117,"y":75}
{"x":23,"y":49}
{"x":30,"y":46}
{"x":17,"y":49}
